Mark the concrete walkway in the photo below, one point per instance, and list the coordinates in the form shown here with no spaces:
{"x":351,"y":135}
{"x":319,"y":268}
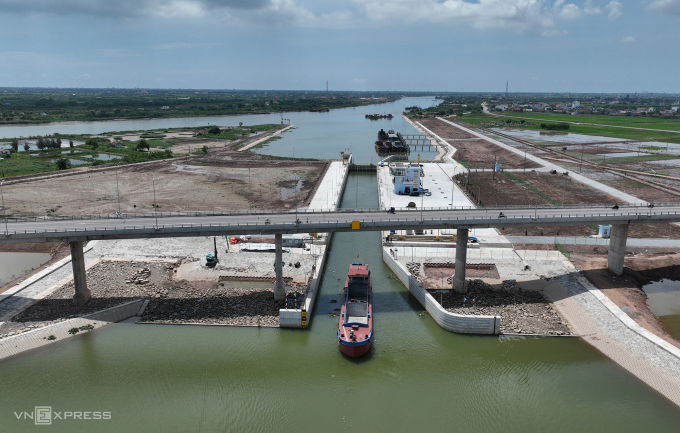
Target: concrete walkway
{"x":626,"y":198}
{"x":607,"y":330}
{"x":265,"y":138}
{"x":576,"y":240}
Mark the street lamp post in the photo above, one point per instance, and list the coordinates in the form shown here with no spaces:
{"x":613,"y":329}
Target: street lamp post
{"x":118,"y":193}
{"x":4,"y":211}
{"x":155,"y":206}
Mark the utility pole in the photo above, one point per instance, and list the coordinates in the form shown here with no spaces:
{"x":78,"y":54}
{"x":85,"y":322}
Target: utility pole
{"x":250,"y":190}
{"x":494,"y":167}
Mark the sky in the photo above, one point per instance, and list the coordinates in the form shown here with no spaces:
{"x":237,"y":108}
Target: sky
{"x":588,"y":46}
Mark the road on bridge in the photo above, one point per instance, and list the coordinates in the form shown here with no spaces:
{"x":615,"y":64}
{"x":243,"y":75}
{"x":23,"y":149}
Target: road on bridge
{"x":49,"y":230}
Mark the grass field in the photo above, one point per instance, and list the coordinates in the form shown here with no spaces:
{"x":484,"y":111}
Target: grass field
{"x":610,"y":130}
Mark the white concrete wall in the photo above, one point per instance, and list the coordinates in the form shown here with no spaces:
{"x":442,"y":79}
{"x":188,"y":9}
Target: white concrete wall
{"x":290,"y":318}
{"x":450,"y":321}
{"x":16,"y":344}
{"x":293,"y":318}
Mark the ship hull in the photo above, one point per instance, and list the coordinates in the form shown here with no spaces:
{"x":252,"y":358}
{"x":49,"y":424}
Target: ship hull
{"x":355,"y":329}
{"x":354,"y":350}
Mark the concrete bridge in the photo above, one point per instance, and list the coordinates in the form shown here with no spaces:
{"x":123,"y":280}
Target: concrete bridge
{"x":79,"y":229}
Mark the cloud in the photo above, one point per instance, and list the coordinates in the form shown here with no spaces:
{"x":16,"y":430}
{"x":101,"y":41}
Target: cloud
{"x":180,"y":45}
{"x":627,"y":40}
{"x":131,"y":8}
{"x":666,"y":6}
{"x":116,"y":52}
{"x":521,"y":16}
{"x":614,"y":7}
{"x":589,"y":9}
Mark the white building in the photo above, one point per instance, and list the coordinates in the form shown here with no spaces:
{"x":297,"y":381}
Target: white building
{"x":575,"y":104}
{"x":406,"y":177}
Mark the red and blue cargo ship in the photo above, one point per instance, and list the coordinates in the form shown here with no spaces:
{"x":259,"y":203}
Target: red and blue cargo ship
{"x":355,"y":330}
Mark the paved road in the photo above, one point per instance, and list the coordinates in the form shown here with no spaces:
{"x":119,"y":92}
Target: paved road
{"x":578,"y":240}
{"x":317,"y":222}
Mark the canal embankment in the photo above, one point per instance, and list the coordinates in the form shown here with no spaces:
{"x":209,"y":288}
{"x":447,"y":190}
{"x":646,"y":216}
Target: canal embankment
{"x":171,"y":275}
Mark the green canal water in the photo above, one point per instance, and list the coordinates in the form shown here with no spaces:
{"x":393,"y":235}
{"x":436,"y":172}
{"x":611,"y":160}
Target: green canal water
{"x":417,"y":377}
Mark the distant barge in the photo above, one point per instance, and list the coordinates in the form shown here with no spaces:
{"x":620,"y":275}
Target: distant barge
{"x":379,"y":116}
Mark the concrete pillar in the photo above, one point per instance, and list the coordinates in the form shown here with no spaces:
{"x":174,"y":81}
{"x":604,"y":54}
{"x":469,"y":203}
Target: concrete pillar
{"x":461,"y":259}
{"x":279,"y":287}
{"x":618,"y":235}
{"x":82,"y":294}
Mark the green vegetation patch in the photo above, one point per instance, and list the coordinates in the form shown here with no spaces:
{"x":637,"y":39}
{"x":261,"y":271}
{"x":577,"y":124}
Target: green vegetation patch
{"x":532,"y":188}
{"x":562,"y":249}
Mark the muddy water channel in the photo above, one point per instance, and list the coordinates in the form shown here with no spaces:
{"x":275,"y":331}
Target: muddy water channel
{"x":13,"y":265}
{"x":663,"y":298}
{"x":417,"y":377}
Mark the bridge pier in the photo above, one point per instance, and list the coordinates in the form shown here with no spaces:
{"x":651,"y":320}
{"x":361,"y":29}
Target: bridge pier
{"x":618,"y":236}
{"x":82,"y":294}
{"x":279,"y":286}
{"x":461,"y":260}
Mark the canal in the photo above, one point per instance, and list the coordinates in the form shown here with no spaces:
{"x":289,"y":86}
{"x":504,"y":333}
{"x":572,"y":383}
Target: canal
{"x":317,"y":135}
{"x":417,"y":376}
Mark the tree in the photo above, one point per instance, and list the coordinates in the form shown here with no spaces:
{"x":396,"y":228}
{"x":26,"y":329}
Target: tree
{"x":214,"y":130}
{"x":204,"y":149}
{"x":142,"y":144}
{"x":41,"y":143}
{"x":15,"y":145}
{"x":63,"y":163}
{"x":92,"y":142}
{"x":70,"y":143}
{"x":27,"y":147}
{"x":58,"y":143}
{"x":240,"y":123}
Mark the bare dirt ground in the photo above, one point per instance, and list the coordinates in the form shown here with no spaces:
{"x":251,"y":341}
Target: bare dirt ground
{"x":647,"y":265}
{"x":219,"y":181}
{"x":504,"y":190}
{"x":476,"y":153}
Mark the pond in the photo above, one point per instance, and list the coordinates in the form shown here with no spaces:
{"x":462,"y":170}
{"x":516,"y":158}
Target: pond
{"x":13,"y":265}
{"x":552,"y":136}
{"x":663,"y":298}
{"x":73,"y":161}
{"x":102,"y":157}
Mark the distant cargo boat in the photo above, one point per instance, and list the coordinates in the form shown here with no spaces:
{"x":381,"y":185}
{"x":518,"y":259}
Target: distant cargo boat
{"x":382,"y":135}
{"x":380,"y":146}
{"x":378,"y":116}
{"x":355,"y":330}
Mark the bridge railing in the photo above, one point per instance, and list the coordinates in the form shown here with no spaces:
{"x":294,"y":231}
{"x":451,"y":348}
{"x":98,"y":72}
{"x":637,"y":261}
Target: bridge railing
{"x":375,"y":224}
{"x":14,"y":218}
